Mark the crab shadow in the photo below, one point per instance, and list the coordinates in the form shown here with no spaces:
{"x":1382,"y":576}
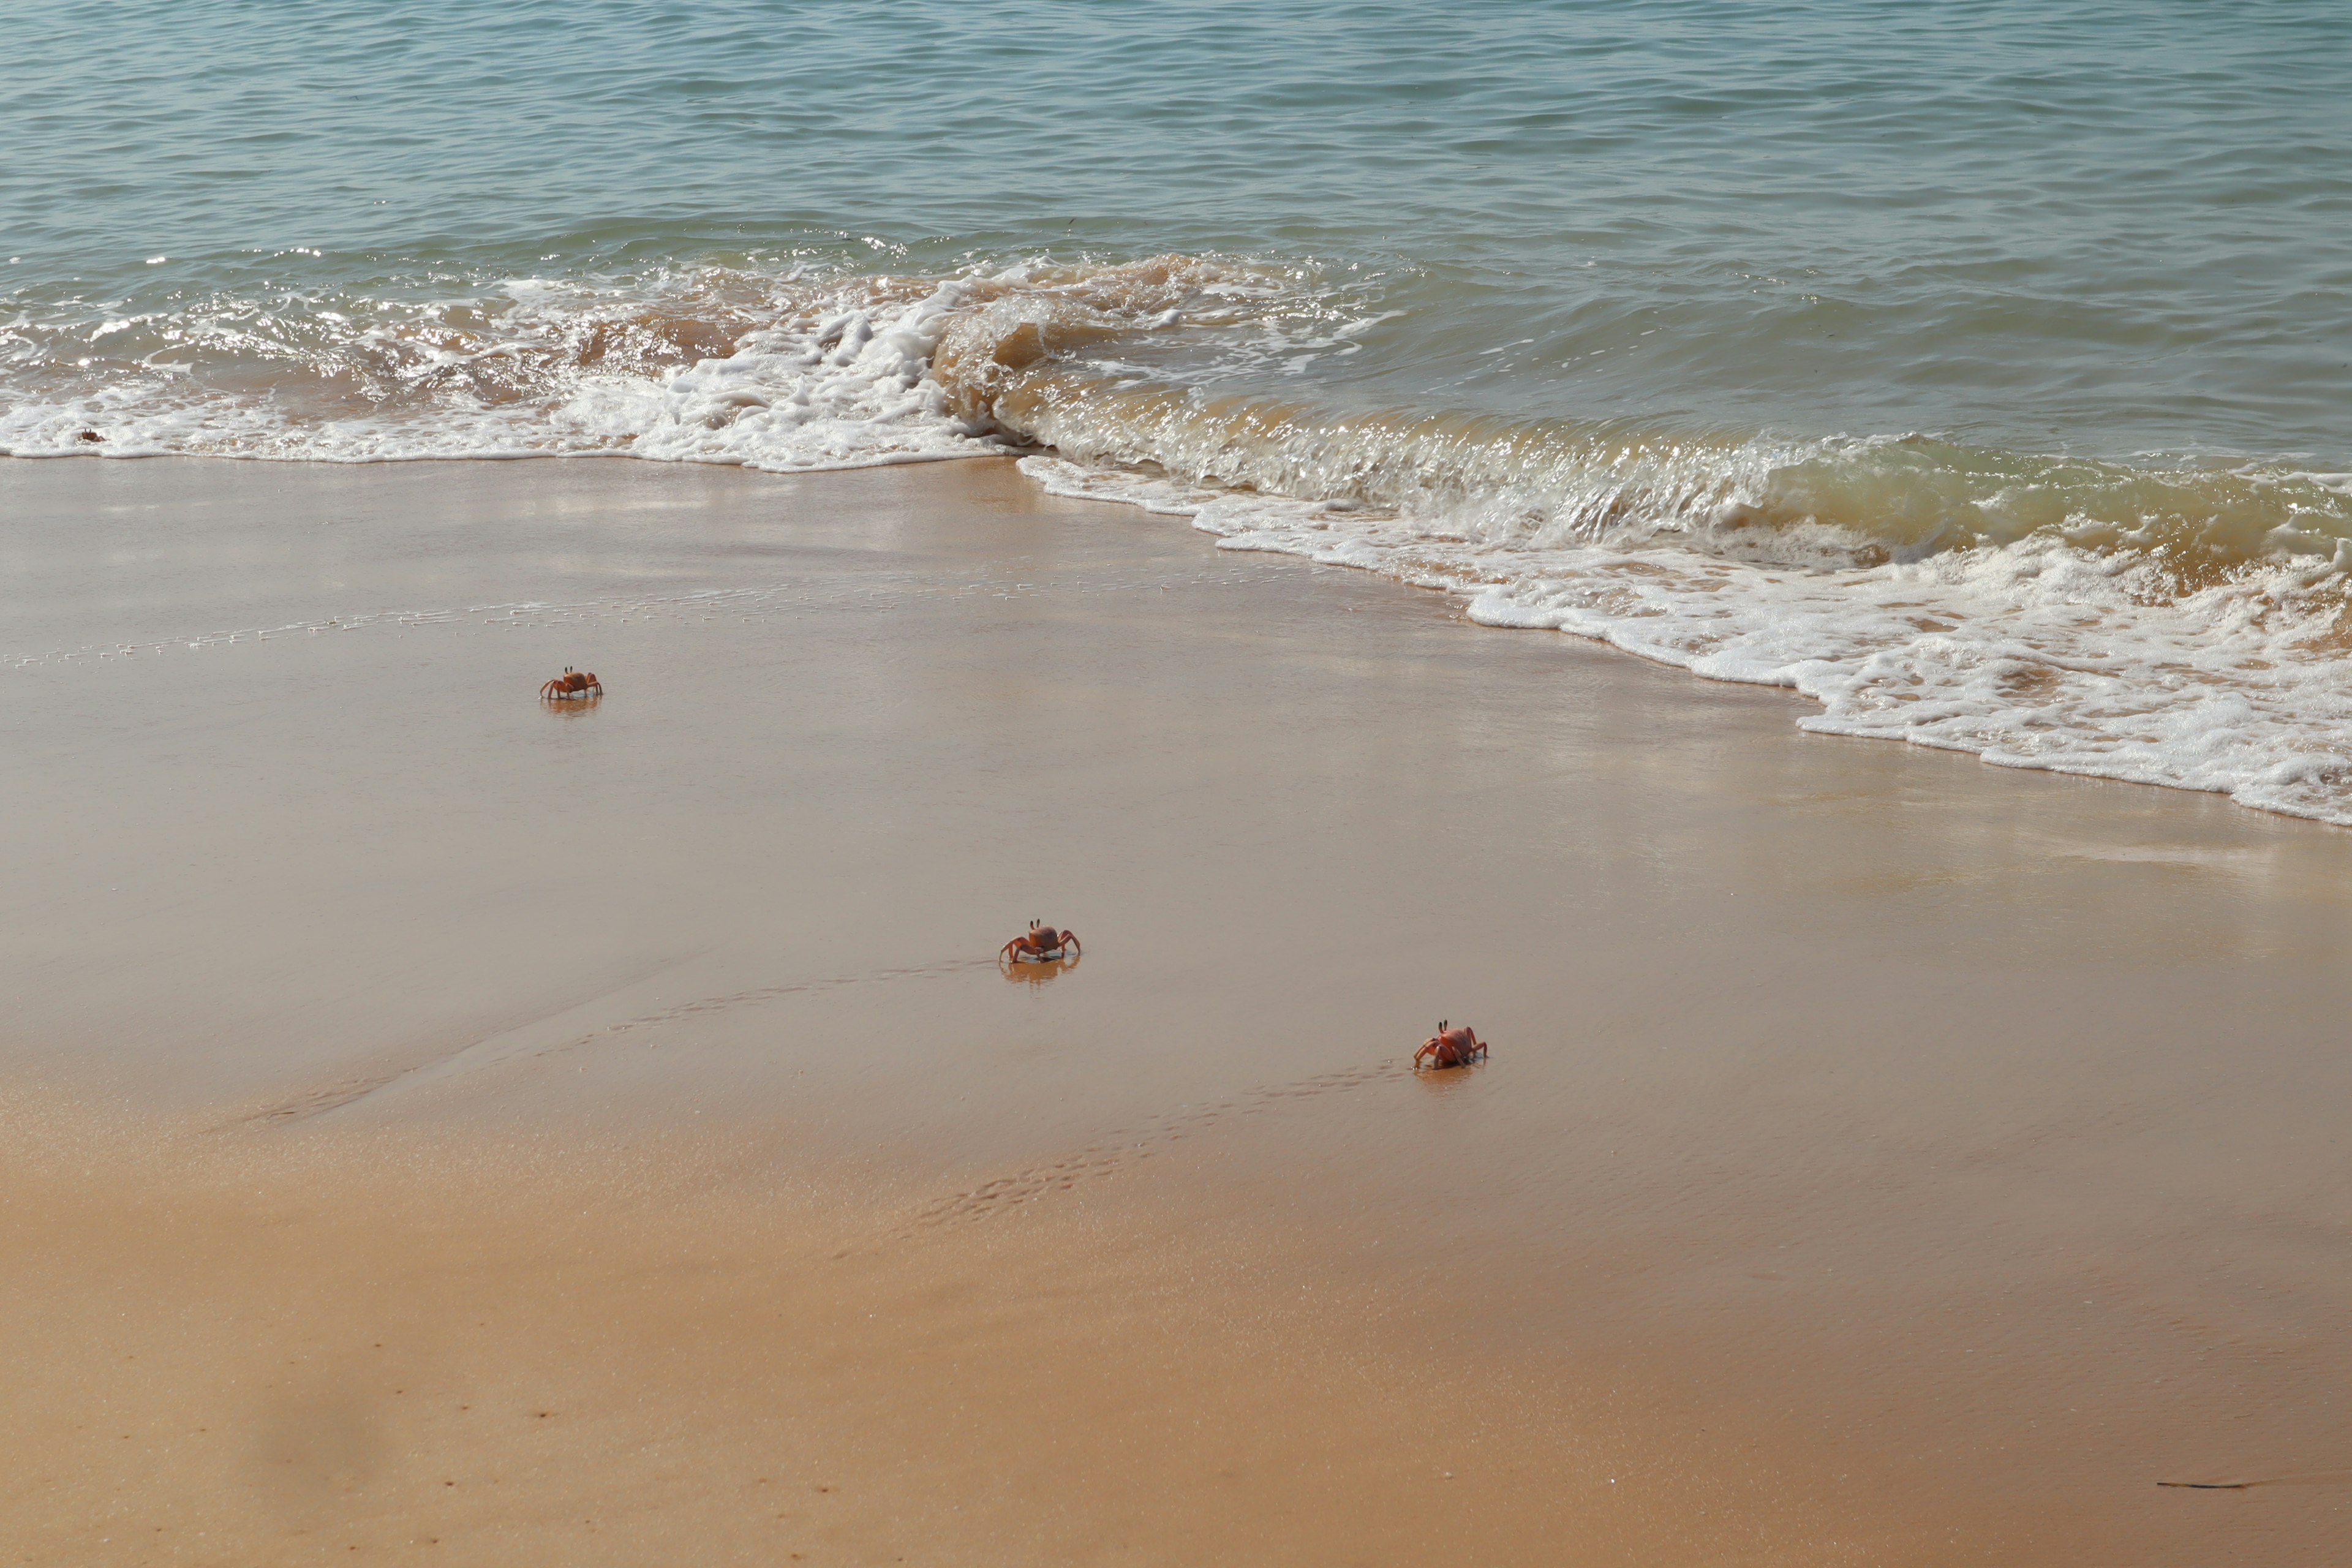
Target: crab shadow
{"x":1446,"y":1080}
{"x":572,"y":707}
{"x":1036,"y":973}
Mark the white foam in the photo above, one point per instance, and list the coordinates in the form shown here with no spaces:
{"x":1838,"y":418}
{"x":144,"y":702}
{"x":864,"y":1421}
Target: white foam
{"x":2032,"y":654}
{"x":836,"y":379}
{"x":845,"y":392}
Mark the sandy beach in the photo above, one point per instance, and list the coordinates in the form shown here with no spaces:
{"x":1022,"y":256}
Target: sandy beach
{"x":445,"y":1126}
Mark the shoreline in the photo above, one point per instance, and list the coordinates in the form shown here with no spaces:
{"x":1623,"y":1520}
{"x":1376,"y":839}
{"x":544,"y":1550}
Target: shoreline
{"x":1819,"y":1072}
{"x":1847,"y":705}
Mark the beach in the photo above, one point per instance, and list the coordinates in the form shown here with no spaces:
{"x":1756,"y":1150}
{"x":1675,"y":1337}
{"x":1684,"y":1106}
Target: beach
{"x":445,"y":1123}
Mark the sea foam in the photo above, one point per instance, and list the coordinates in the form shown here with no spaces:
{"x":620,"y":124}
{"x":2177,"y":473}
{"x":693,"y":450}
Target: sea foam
{"x":2037,"y":654}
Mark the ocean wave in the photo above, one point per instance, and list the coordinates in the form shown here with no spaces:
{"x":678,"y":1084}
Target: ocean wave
{"x":2174,"y":624}
{"x":705,"y":366}
{"x":790,"y":371}
{"x":2168,"y":622}
{"x":2038,"y":653}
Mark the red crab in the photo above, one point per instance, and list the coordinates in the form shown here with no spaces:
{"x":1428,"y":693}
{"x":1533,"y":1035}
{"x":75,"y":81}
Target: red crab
{"x":1450,"y":1048}
{"x":1038,"y":943}
{"x":571,"y":683}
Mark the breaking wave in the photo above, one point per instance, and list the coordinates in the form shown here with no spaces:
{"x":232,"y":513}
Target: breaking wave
{"x":2172,"y":622}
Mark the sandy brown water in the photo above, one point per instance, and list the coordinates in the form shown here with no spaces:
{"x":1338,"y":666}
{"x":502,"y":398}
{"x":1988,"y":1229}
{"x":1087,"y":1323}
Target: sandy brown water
{"x":1883,"y":1158}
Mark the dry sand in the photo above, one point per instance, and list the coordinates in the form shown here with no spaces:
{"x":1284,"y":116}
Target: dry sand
{"x":1883,"y":1159}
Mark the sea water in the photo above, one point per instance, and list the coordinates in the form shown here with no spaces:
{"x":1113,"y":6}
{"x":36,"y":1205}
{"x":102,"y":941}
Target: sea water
{"x":1980,"y":369}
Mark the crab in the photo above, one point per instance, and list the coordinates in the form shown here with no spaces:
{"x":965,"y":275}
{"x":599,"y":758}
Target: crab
{"x":1037,"y":944}
{"x":571,"y":683}
{"x":1450,"y":1048}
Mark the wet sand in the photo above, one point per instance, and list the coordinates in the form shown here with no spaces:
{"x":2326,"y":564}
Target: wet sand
{"x":1884,"y":1158}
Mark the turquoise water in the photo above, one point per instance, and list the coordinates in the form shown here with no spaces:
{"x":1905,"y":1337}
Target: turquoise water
{"x":1978,"y":368}
{"x":2106,"y":229}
